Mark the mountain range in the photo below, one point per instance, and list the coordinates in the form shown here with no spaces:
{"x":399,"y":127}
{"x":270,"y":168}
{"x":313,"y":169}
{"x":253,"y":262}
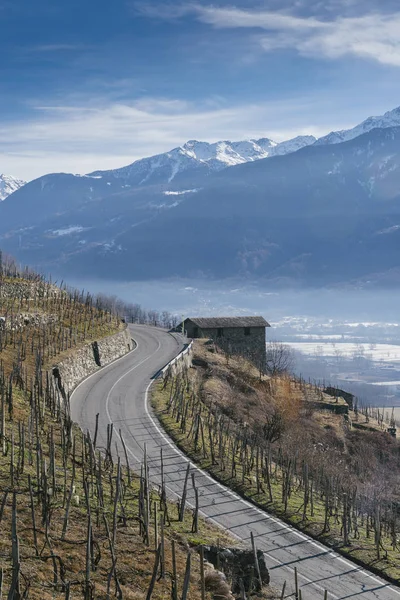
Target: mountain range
{"x":200,"y":158}
{"x":304,"y":212}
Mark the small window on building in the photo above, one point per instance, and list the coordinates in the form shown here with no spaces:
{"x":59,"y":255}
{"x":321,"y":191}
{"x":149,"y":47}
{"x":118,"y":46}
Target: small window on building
{"x":220,"y":332}
{"x":247,"y":331}
{"x":196,"y":332}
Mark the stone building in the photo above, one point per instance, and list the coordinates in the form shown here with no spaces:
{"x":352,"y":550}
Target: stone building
{"x":236,"y":335}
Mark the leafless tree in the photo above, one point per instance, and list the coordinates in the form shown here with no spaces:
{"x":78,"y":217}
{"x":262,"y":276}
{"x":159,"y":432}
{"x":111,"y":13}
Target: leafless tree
{"x":279,"y":359}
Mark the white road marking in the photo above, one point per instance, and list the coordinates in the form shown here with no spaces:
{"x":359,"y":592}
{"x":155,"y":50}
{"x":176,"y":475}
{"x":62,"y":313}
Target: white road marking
{"x":102,"y":369}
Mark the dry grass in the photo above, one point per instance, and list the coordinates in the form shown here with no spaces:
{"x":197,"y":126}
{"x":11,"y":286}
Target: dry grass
{"x":134,"y":558}
{"x":217,"y":382}
{"x":236,"y":386}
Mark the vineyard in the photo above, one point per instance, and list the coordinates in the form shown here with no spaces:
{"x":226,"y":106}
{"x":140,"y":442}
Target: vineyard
{"x":76,"y":520}
{"x":264,"y":438}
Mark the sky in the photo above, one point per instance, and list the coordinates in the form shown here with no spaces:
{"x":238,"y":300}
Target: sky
{"x":97,"y":84}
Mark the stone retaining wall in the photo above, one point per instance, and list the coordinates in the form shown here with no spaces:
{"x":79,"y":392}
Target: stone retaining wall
{"x":90,"y":358}
{"x":27,"y":319}
{"x":339,"y":409}
{"x":29,"y":290}
{"x":178,"y":364}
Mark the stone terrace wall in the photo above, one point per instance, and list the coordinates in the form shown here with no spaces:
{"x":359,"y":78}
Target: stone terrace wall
{"x":25,"y":319}
{"x":14,"y":288}
{"x":90,"y":358}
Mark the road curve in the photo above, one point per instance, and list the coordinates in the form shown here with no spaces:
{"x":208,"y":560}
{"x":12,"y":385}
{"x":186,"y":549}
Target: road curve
{"x":119,"y":393}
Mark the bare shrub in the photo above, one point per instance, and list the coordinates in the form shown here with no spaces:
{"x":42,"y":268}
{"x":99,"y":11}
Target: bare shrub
{"x":279,"y":359}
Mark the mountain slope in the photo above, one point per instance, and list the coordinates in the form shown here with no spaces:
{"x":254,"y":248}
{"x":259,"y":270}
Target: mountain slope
{"x":296,"y":219}
{"x":186,"y":167}
{"x":8,"y":185}
{"x":293,"y":219}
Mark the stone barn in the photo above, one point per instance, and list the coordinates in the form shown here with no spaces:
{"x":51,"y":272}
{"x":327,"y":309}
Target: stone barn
{"x":236,"y":335}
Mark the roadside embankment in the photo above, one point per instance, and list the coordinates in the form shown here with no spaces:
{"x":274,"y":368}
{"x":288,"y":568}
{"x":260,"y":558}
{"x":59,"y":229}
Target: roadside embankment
{"x":88,"y":359}
{"x":268,"y":440}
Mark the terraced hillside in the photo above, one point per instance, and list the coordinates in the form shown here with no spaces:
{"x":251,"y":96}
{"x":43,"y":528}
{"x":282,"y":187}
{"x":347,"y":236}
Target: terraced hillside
{"x":76,"y":521}
{"x":292,"y":449}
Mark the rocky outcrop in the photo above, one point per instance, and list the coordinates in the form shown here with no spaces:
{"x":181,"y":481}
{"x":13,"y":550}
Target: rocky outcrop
{"x":240,"y":565}
{"x":88,"y":359}
{"x":216,"y":584}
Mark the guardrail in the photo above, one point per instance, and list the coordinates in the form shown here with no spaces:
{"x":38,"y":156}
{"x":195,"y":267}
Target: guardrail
{"x":177,"y":362}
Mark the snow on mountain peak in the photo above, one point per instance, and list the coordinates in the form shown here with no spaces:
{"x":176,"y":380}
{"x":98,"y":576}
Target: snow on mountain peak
{"x":195,"y":155}
{"x":226,"y":153}
{"x":389,"y":119}
{"x":293,"y":145}
{"x":8,"y":185}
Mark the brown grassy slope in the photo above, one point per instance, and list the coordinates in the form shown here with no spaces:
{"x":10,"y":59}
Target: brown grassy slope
{"x":134,"y":559}
{"x":365,"y":463}
{"x":43,"y":324}
{"x":235,"y":385}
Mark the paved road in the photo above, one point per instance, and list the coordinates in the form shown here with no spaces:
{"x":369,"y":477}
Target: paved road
{"x":119,"y":394}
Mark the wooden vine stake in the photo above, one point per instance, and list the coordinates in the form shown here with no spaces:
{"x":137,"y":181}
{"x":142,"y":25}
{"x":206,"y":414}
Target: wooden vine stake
{"x":202,"y":581}
{"x":174,"y":594}
{"x":256,"y":564}
{"x":154,"y":575}
{"x":296,"y":584}
{"x":283,"y":590}
{"x":184,"y":494}
{"x":186,"y":581}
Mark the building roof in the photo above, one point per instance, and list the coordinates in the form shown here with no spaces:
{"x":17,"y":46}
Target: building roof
{"x":218,"y":322}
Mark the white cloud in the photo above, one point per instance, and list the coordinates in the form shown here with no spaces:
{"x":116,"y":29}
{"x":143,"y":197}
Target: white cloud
{"x":57,"y":47}
{"x":84,"y":138}
{"x":372,"y":36}
{"x":83,"y":134}
{"x":235,"y":17}
{"x":166,"y":11}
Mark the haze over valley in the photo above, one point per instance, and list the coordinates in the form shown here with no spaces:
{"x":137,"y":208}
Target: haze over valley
{"x":253,"y":227}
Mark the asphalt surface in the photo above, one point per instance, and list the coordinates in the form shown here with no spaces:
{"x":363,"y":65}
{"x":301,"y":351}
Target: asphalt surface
{"x":119,"y":393}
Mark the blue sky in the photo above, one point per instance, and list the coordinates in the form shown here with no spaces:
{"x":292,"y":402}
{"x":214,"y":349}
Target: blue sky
{"x":97,"y":84}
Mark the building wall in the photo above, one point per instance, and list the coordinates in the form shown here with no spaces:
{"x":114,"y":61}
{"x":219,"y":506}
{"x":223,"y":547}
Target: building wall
{"x":190,"y":329}
{"x":235,"y":341}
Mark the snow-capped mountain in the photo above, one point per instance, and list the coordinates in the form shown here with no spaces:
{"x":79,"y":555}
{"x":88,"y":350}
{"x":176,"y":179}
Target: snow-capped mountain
{"x":389,"y":119}
{"x":195,"y":158}
{"x":8,"y":185}
{"x":183,"y":213}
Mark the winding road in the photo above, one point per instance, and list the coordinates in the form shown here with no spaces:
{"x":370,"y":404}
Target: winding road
{"x":119,"y":393}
